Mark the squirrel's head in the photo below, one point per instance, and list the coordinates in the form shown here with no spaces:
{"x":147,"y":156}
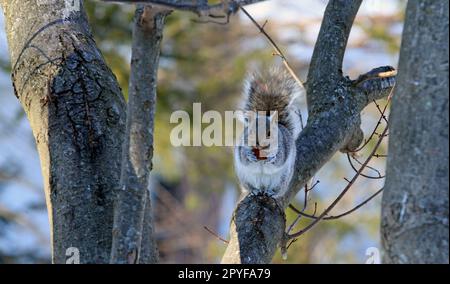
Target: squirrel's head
{"x":261,"y":133}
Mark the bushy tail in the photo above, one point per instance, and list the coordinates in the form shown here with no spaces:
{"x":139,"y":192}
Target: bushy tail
{"x":274,"y":90}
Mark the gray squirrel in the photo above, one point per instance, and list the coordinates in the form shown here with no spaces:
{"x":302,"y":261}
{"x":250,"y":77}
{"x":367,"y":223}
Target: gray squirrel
{"x":264,"y":159}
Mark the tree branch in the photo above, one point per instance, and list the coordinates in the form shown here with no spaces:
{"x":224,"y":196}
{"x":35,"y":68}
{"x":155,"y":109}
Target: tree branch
{"x":348,"y":212}
{"x":326,"y":62}
{"x":200,"y":7}
{"x":377,"y":83}
{"x":274,"y":45}
{"x":334,"y":106}
{"x":131,"y":207}
{"x":351,"y":182}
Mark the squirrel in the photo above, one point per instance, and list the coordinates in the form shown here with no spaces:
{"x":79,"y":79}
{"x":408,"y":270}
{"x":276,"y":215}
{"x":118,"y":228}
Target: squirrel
{"x":264,"y":159}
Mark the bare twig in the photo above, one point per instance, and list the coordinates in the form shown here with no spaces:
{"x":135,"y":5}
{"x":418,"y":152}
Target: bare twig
{"x":312,"y":216}
{"x":382,"y":112}
{"x":299,"y":216}
{"x":382,"y":117}
{"x":306,"y":191}
{"x":215,"y":235}
{"x":359,"y":172}
{"x":254,"y":239}
{"x":201,"y":8}
{"x":277,"y":52}
{"x":21,"y":219}
{"x":349,"y":157}
{"x":341,"y":195}
{"x":379,"y":156}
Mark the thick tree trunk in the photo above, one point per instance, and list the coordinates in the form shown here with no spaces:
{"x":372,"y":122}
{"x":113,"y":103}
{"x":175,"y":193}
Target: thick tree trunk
{"x":77,"y":114}
{"x":415,"y":200}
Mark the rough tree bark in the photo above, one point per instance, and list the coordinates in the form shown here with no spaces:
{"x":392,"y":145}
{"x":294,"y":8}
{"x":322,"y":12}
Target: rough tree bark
{"x":334,"y":103}
{"x":334,"y":106}
{"x":199,"y":7}
{"x":132,"y":201}
{"x":415,"y":200}
{"x":76,"y":111}
{"x":77,"y":114}
{"x":147,"y":35}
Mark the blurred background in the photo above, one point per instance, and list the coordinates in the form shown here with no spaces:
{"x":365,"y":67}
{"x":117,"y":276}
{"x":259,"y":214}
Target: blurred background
{"x":194,"y":187}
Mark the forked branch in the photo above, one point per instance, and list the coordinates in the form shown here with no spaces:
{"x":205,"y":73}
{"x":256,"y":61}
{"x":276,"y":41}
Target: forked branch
{"x":334,"y":105}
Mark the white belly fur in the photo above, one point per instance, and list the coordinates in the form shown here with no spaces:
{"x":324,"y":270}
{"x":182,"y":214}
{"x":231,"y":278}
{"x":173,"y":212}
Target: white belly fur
{"x":265,"y":176}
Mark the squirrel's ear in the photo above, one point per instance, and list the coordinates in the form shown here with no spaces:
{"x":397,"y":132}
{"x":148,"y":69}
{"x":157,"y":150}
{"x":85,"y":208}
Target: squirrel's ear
{"x":294,"y":97}
{"x":299,"y":91}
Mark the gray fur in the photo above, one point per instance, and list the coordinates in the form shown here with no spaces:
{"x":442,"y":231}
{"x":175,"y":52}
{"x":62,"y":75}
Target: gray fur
{"x":269,"y":91}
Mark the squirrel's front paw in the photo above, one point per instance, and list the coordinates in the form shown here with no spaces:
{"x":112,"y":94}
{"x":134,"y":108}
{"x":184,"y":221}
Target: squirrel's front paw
{"x":271,"y":158}
{"x":250,"y":156}
{"x":264,"y":192}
